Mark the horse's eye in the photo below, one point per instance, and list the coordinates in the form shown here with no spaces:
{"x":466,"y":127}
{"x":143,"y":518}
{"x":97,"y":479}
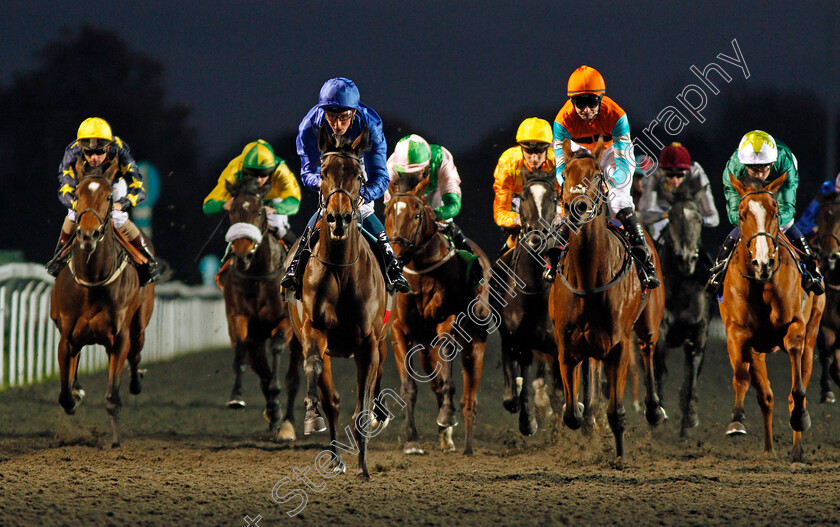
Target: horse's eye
{"x":417,"y":216}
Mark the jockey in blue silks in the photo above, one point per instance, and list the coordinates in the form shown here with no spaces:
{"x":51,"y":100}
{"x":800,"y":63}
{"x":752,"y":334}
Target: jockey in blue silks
{"x":340,"y":112}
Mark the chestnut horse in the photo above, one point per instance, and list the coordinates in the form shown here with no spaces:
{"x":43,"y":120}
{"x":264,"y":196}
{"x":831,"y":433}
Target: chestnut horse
{"x":596,"y":301}
{"x":343,"y":305}
{"x":827,"y":244}
{"x":764,"y":308}
{"x":438,"y":318}
{"x":97,"y":298}
{"x":258,"y":320}
{"x":527,"y":331}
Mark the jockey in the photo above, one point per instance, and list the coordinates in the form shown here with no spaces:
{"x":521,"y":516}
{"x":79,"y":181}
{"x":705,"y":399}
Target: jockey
{"x":586,"y":116}
{"x":761,"y":156}
{"x":807,"y":223}
{"x":342,"y":114}
{"x":259,"y":161}
{"x":413,"y":156}
{"x":531,"y":158}
{"x":98,"y":146}
{"x":676,"y":169}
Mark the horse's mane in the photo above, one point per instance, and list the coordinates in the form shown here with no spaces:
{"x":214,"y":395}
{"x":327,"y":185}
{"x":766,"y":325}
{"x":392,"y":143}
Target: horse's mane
{"x":753,"y":182}
{"x":580,"y":154}
{"x":247,"y":185}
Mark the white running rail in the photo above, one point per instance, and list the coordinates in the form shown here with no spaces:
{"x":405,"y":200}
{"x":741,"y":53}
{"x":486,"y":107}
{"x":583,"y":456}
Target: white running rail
{"x":185,"y":319}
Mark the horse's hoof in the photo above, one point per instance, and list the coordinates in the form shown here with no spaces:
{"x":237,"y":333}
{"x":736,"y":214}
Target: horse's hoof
{"x":736,"y":428}
{"x":656,"y":416}
{"x":412,"y":448}
{"x":573,"y":420}
{"x":135,"y":387}
{"x":115,"y":444}
{"x":70,"y":411}
{"x":529,"y":427}
{"x":362,"y":473}
{"x":314,"y":424}
{"x":236,"y":403}
{"x":446,"y":443}
{"x":800,"y":422}
{"x":798,"y":465}
{"x":377,"y":425}
{"x":827,"y":397}
{"x":618,"y":463}
{"x":468,"y":451}
{"x":639,"y":407}
{"x":287,"y":431}
{"x":78,"y":394}
{"x":511,"y":405}
{"x":446,"y":417}
{"x":690,"y":420}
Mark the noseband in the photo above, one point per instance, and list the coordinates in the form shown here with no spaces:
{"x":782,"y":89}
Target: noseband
{"x":598,"y":183}
{"x":774,"y":239}
{"x":411,"y":246}
{"x":324,"y":200}
{"x":102,"y":222}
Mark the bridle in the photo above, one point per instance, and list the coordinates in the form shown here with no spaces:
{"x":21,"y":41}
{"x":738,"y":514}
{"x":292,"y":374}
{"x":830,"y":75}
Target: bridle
{"x":598,"y":182}
{"x":411,"y":245}
{"x":323,"y":201}
{"x":263,"y":228}
{"x":525,"y":234}
{"x":773,"y":238}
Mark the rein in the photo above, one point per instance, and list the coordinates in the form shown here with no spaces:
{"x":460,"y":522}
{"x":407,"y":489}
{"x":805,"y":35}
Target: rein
{"x":411,"y":247}
{"x":774,"y":238}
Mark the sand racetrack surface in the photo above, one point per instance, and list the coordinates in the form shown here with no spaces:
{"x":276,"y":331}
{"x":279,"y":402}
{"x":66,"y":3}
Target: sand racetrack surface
{"x":187,"y":460}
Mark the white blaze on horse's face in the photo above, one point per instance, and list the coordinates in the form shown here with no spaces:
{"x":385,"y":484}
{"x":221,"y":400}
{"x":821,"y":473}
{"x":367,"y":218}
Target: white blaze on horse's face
{"x":762,"y":248}
{"x":93,"y":186}
{"x":399,"y":207}
{"x":538,"y":192}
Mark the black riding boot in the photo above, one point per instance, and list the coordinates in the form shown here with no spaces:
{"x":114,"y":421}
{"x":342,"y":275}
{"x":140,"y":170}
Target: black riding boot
{"x":556,"y":254}
{"x":639,"y":248}
{"x":811,"y":278}
{"x":718,"y":270}
{"x":394,"y":278}
{"x":148,"y":272}
{"x":290,"y":279}
{"x":57,"y":262}
{"x":457,"y":236}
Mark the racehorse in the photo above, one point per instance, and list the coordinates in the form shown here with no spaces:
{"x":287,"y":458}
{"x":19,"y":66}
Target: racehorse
{"x":97,"y":298}
{"x":258,"y":320}
{"x":596,"y":302}
{"x":342,"y":311}
{"x":764,"y":308}
{"x":439,"y":315}
{"x":526,"y":330}
{"x":686,"y":320}
{"x":827,"y":244}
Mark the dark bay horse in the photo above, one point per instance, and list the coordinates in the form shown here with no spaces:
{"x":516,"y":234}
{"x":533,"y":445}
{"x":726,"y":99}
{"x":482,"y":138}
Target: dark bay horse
{"x":342,"y":311}
{"x":827,"y":244}
{"x":440,"y":317}
{"x":258,"y":320}
{"x":764,"y":308}
{"x":596,"y":301}
{"x":522,"y":299}
{"x":686,"y":320}
{"x":97,"y":298}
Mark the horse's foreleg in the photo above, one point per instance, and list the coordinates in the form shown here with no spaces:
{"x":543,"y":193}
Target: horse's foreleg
{"x":68,"y":361}
{"x":236,"y":400}
{"x":759,"y":380}
{"x":694,"y":350}
{"x":654,"y":413}
{"x":801,"y":361}
{"x":117,"y":354}
{"x":616,"y":364}
{"x":138,"y":340}
{"x":472,"y":364}
{"x":446,"y":414}
{"x":510,"y":395}
{"x":660,"y":367}
{"x":408,"y":388}
{"x":367,"y":373}
{"x":572,"y":409}
{"x":527,"y":421}
{"x":314,"y":346}
{"x":825,"y":342}
{"x":256,"y":353}
{"x":589,"y":380}
{"x":332,"y":406}
{"x":739,"y":358}
{"x":287,"y":430}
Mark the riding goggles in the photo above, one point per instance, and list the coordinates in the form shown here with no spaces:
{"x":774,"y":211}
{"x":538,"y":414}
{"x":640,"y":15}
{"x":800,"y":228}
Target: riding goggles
{"x":586,"y":100}
{"x":534,"y":148}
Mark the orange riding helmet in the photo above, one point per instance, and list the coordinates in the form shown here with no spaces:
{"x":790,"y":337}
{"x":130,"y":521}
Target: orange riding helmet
{"x":586,"y":80}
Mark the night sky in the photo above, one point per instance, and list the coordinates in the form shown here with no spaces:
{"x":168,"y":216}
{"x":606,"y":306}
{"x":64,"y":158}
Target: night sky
{"x":457,"y":70}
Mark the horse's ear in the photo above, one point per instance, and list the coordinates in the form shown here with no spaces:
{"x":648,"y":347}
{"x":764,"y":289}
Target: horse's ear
{"x":393,"y":187}
{"x":229,"y":186}
{"x":325,"y":139}
{"x":115,"y":164}
{"x":737,"y":185}
{"x":599,"y":149}
{"x":420,"y":187}
{"x":777,"y":183}
{"x":698,"y":196}
{"x":361,"y":142}
{"x":567,"y":149}
{"x":80,"y":168}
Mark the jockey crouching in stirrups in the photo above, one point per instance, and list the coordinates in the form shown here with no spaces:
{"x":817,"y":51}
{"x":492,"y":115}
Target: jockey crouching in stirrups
{"x":342,"y":114}
{"x":760,"y":156}
{"x":98,"y":146}
{"x":416,"y":159}
{"x":258,"y":160}
{"x":586,"y":116}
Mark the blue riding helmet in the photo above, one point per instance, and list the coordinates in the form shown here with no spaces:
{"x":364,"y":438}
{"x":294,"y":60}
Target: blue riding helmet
{"x":339,"y":92}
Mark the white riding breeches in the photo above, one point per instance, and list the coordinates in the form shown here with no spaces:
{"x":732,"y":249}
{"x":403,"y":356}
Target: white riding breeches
{"x":279,"y":222}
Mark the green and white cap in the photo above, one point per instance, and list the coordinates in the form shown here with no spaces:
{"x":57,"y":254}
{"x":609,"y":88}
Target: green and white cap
{"x":412,"y":154}
{"x":757,"y":148}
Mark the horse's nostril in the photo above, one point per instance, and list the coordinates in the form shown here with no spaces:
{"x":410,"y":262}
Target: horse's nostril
{"x":347,"y":217}
{"x":771,"y":262}
{"x":330,"y":218}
